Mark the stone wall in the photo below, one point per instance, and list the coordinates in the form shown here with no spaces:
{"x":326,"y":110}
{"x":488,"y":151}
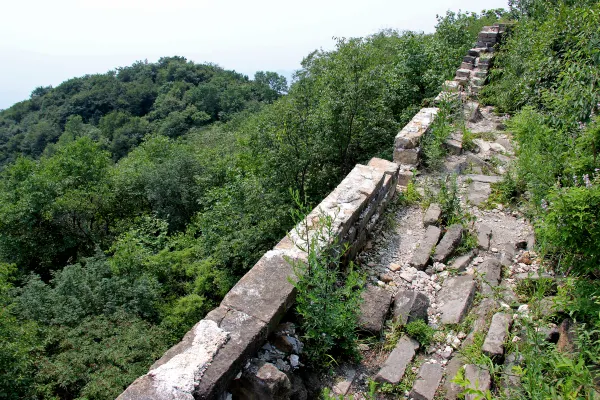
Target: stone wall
{"x":214,"y":351}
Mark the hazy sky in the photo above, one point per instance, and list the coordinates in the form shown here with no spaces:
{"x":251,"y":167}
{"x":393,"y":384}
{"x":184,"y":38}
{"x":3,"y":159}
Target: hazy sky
{"x":46,"y":42}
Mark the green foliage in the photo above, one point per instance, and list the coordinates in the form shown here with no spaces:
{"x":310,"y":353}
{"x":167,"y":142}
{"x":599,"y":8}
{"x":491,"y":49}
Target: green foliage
{"x":569,"y":229}
{"x":420,"y":331}
{"x":97,"y":358}
{"x":327,"y":301}
{"x":19,"y":343}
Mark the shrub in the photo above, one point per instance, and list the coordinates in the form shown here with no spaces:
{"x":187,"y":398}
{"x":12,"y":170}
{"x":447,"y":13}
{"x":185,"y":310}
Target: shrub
{"x":420,"y":331}
{"x":327,"y":301}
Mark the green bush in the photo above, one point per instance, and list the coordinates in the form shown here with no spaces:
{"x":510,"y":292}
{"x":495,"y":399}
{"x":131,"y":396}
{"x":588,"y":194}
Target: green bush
{"x":420,"y":331}
{"x":328,"y":300}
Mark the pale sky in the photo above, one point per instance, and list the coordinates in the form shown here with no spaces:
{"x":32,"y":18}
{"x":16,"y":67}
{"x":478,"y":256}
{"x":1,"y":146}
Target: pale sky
{"x":47,"y":42}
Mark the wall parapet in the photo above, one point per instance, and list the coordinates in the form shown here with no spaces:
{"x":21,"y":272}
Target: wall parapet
{"x":214,"y":351}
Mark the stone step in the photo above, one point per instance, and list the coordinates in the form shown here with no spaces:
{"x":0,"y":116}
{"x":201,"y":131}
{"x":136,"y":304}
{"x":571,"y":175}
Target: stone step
{"x":394,"y":367}
{"x":463,"y":73}
{"x":373,"y":309}
{"x":428,"y":380}
{"x":449,"y":243}
{"x":455,"y":298}
{"x":479,"y":379}
{"x":493,"y":346}
{"x":422,"y":253}
{"x":410,"y":305}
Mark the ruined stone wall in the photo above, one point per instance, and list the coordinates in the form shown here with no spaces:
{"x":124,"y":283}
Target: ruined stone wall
{"x":214,"y":351}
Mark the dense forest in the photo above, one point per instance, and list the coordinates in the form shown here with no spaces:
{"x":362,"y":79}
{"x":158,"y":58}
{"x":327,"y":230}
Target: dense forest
{"x":131,"y":201}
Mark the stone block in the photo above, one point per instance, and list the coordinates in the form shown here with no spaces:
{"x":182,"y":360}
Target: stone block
{"x":455,"y":298}
{"x":469,"y":59}
{"x":461,"y":263}
{"x":388,"y":167}
{"x":262,"y":381}
{"x":394,"y":367}
{"x":409,"y":137}
{"x":493,"y":346}
{"x":428,"y":380}
{"x":342,"y":387}
{"x":373,"y":309}
{"x":410,"y":306}
{"x":468,"y":66}
{"x":483,"y":178}
{"x":404,"y":177}
{"x":422,"y":253}
{"x":479,"y":379}
{"x":463,"y":73}
{"x":478,"y":192}
{"x":453,"y":390}
{"x":406,"y":156}
{"x":264,"y":292}
{"x":433,"y":215}
{"x":474,"y":52}
{"x":450,"y":86}
{"x":484,"y":236}
{"x":448,"y":244}
{"x":453,"y":146}
{"x":472,"y":112}
{"x":490,"y":273}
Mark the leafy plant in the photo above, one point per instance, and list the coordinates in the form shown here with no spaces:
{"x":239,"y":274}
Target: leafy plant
{"x":327,"y":301}
{"x":420,"y":331}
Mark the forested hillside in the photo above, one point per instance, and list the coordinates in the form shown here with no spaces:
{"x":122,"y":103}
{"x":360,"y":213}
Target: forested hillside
{"x":130,"y":202}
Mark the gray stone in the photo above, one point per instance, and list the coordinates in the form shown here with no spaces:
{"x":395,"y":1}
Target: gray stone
{"x":422,"y":253}
{"x":427,"y":382}
{"x":461,"y":263}
{"x":262,"y":381}
{"x":479,"y":379}
{"x":406,"y":156}
{"x":463,"y":73}
{"x":484,"y":178}
{"x":409,"y":306}
{"x":483,"y":312}
{"x":567,"y":334}
{"x":374,"y":308}
{"x":493,"y":346}
{"x":342,"y":387}
{"x":433,"y":215}
{"x":490,"y":273}
{"x":404,"y":177}
{"x":455,"y":298}
{"x":478,"y":192}
{"x":394,"y":367}
{"x":484,"y":236}
{"x":478,"y":161}
{"x":265,"y":291}
{"x":449,"y":243}
{"x":510,"y":381}
{"x":453,"y":390}
{"x":507,"y":253}
{"x":472,"y":112}
{"x":453,"y":146}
